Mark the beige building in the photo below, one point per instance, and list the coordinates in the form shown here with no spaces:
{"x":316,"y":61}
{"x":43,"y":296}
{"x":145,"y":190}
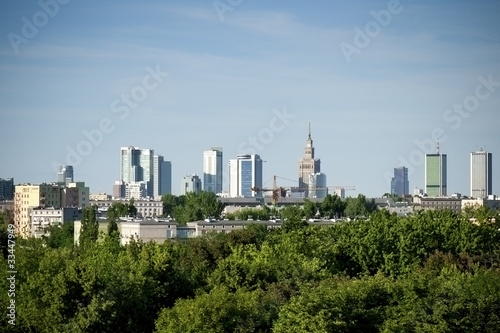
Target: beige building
{"x":145,"y":208}
{"x":492,"y":203}
{"x":452,"y":203}
{"x":308,"y":165}
{"x":28,"y":196}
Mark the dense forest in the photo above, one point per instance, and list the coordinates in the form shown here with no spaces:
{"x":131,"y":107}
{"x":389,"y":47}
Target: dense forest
{"x":434,"y":271}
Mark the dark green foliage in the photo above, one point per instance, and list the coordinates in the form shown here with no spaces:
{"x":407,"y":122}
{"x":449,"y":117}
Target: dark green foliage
{"x":89,"y":231}
{"x":60,"y":236}
{"x":433,"y":272}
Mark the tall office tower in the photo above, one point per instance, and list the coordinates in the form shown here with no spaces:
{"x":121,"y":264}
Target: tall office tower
{"x":308,"y":164}
{"x":190,"y":184}
{"x":480,"y":174}
{"x":245,"y":172}
{"x":7,"y":189}
{"x":162,"y":176}
{"x":435,"y":174}
{"x":400,"y":185}
{"x":317,"y":185}
{"x":65,"y":175}
{"x":212,"y":170}
{"x":137,"y":166}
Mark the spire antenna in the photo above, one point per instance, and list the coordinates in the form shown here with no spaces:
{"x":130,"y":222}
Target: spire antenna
{"x":437,"y":147}
{"x":309,"y":130}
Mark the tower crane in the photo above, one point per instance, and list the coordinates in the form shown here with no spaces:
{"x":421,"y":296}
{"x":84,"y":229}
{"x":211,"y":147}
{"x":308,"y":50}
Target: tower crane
{"x":277,"y":191}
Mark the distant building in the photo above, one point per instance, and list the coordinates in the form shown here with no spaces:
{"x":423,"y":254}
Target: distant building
{"x":438,"y":203}
{"x":418,"y":191}
{"x":481,"y":179}
{"x":308,"y":164}
{"x":245,"y":172}
{"x":400,"y":185}
{"x":136,"y":190}
{"x":190,"y":184}
{"x":491,"y":202}
{"x":145,"y":208}
{"x":100,"y":196}
{"x":6,"y":189}
{"x":28,"y":196}
{"x":42,"y":218}
{"x":119,"y":189}
{"x":137,"y":166}
{"x":212,"y":170}
{"x":162,"y":177}
{"x":317,"y":185}
{"x":435,"y":174}
{"x":75,"y":195}
{"x":65,"y":175}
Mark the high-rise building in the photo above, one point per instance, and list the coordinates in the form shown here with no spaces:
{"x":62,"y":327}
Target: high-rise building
{"x":435,"y":174}
{"x":212,"y":170}
{"x":190,"y":184}
{"x":317,"y":185}
{"x":308,"y":164}
{"x":400,"y":185}
{"x":6,"y":189}
{"x":119,"y":189}
{"x":65,"y":175}
{"x":480,"y":174}
{"x":245,"y":172}
{"x":162,"y":176}
{"x":137,"y":166}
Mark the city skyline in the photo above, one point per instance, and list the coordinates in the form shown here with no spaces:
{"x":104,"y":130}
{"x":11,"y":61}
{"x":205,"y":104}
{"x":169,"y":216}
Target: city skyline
{"x":184,"y":77}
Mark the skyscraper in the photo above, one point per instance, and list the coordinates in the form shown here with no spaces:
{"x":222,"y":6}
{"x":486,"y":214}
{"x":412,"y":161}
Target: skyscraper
{"x":137,"y":166}
{"x":65,"y":175}
{"x":480,"y":174}
{"x":162,"y":176}
{"x":190,"y":184}
{"x":7,"y":189}
{"x":245,"y":172}
{"x":399,"y":183}
{"x":435,"y":174}
{"x":212,"y":170}
{"x":308,"y":164}
{"x":317,"y":185}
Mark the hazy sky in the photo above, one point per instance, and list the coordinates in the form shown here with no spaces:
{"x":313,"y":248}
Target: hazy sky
{"x":379,"y":81}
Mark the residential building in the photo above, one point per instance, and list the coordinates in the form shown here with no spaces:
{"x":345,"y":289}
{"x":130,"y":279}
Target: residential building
{"x":245,"y":172}
{"x":435,"y":174}
{"x":162,"y":177}
{"x":481,"y":174}
{"x":453,"y":203}
{"x":308,"y":164}
{"x":28,"y":196}
{"x":42,"y":218}
{"x":400,"y":185}
{"x":6,"y":189}
{"x":145,"y":208}
{"x":190,"y":184}
{"x":212,"y":170}
{"x":137,"y":166}
{"x":65,"y":175}
{"x":492,"y":202}
{"x":100,"y":196}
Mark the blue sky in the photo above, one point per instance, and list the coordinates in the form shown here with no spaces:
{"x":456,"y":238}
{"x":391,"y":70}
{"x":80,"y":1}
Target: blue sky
{"x":224,"y":76}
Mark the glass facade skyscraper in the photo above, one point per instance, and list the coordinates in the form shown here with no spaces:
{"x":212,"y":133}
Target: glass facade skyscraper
{"x":245,"y":172}
{"x":400,"y":185}
{"x":435,"y":175}
{"x":480,"y":174}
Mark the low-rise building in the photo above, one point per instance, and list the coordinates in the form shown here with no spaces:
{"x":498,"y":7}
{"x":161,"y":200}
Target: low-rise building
{"x":425,"y":203}
{"x":491,"y":202}
{"x":43,"y":217}
{"x":145,"y":208}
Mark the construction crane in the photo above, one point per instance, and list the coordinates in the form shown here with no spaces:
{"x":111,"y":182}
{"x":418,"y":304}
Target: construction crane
{"x":277,"y":191}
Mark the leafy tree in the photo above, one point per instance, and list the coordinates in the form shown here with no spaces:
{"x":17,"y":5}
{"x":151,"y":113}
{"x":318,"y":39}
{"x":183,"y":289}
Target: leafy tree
{"x":359,"y":206}
{"x":198,"y":206}
{"x":89,"y":231}
{"x":131,"y":209}
{"x":309,"y":209}
{"x":60,"y":236}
